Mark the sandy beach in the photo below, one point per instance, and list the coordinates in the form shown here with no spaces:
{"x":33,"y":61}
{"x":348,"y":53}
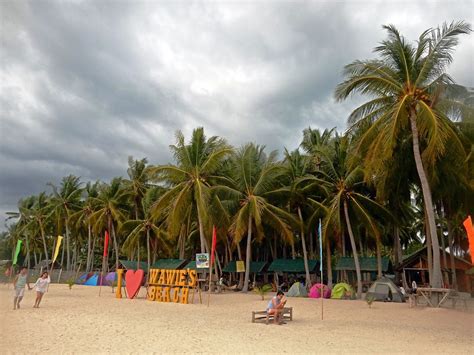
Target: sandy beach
{"x":79,"y":321}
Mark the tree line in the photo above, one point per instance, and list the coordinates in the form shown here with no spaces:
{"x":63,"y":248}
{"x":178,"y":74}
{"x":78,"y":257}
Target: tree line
{"x":400,"y":176}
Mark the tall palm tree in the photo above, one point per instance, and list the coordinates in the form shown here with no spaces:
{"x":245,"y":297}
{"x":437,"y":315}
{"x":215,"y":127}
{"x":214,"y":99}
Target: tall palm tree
{"x":39,"y":216}
{"x":111,"y":207}
{"x":137,"y":182}
{"x":297,"y":167}
{"x":64,"y":202}
{"x":404,"y":86}
{"x":135,"y":228}
{"x":190,"y":180}
{"x":84,"y":217}
{"x":255,"y":177}
{"x":345,"y":198}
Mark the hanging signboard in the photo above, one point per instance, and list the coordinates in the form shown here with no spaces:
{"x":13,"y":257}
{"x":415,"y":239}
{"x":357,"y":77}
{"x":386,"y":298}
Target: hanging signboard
{"x":240,"y":266}
{"x":202,"y":261}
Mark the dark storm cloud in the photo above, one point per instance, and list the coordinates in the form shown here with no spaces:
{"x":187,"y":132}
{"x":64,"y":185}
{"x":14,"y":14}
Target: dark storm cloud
{"x":84,"y":84}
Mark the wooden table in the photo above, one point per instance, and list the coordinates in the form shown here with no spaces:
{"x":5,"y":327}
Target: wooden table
{"x":427,"y":292}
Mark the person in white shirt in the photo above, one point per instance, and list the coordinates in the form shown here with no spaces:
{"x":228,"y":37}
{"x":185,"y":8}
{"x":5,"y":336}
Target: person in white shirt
{"x":41,"y":286}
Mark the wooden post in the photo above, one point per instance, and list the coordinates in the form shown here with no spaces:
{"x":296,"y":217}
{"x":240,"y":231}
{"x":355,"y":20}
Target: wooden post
{"x":118,"y":294}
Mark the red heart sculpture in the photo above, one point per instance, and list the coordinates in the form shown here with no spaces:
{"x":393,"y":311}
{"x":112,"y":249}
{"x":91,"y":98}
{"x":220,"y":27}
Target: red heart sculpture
{"x":133,"y":280}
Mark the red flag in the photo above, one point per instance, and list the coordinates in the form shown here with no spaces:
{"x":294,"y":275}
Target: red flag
{"x":213,"y":249}
{"x":106,"y":243}
{"x":470,"y":235}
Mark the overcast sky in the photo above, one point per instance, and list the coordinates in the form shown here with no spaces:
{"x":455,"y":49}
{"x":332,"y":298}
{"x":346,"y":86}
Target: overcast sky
{"x":85,"y":84}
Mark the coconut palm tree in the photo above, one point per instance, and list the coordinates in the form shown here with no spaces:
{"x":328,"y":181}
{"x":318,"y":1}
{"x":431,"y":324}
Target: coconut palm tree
{"x":404,"y":86}
{"x":64,"y":202}
{"x":135,"y":228}
{"x":83,"y":217}
{"x":39,"y":216}
{"x":297,"y":167}
{"x":255,"y":178}
{"x":137,"y":182}
{"x":346,"y":199}
{"x":190,"y":180}
{"x":111,"y":207}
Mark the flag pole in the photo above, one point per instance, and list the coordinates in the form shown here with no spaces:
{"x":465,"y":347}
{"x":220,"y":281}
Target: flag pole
{"x":321,"y":268}
{"x":104,"y":257}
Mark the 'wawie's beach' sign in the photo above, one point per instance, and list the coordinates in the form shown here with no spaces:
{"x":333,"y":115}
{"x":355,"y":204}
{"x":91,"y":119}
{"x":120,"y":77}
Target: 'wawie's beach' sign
{"x":171,"y":285}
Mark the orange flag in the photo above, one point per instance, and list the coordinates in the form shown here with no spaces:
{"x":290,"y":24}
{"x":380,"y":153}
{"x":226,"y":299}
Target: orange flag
{"x":470,"y":235}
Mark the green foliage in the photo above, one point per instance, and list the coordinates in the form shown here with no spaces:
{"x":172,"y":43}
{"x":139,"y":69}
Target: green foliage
{"x":263,"y":290}
{"x":370,"y":300}
{"x":70,"y":282}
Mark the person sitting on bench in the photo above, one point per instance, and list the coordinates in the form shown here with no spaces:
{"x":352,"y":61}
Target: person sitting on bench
{"x":275,"y":307}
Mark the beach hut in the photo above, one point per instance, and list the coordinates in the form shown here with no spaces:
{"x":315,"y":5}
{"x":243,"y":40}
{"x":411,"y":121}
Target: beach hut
{"x":342,"y":291}
{"x":384,"y":289}
{"x":414,"y":267}
{"x":169,"y":264}
{"x":134,"y":265}
{"x":315,"y":291}
{"x":297,"y":290}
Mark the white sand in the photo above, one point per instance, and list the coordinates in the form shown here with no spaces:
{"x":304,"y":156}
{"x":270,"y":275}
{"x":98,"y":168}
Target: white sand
{"x":80,"y":321}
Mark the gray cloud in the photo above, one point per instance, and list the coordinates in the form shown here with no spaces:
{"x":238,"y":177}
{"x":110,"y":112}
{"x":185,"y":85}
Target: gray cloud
{"x":84,"y":84}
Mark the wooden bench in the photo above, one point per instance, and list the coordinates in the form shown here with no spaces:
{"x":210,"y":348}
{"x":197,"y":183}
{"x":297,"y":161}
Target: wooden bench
{"x":264,"y":317}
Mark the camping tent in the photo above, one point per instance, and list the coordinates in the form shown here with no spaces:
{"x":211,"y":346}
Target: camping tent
{"x":94,"y":280}
{"x":384,"y":289}
{"x":341,"y":290}
{"x":315,"y":291}
{"x":297,"y":290}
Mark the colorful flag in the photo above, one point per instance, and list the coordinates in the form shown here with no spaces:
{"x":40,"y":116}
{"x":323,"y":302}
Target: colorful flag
{"x":470,"y":236}
{"x":106,"y":243}
{"x":213,"y":248}
{"x":58,"y":245}
{"x":17,"y":251}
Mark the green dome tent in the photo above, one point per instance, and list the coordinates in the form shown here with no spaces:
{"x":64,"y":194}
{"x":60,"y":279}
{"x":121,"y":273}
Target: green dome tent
{"x":384,"y":289}
{"x":297,"y":290}
{"x":340,"y":290}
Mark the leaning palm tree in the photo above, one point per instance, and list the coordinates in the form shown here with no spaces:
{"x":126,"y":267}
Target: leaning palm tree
{"x":190,"y":180}
{"x":405,"y":86}
{"x":255,"y":177}
{"x":39,"y":218}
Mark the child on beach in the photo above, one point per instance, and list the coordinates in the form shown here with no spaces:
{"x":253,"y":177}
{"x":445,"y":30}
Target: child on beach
{"x":41,"y":286}
{"x":19,"y":284}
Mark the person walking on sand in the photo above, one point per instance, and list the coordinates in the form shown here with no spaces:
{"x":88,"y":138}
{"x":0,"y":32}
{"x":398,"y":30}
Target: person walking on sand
{"x":275,"y":307}
{"x":41,"y":286}
{"x":21,"y":280}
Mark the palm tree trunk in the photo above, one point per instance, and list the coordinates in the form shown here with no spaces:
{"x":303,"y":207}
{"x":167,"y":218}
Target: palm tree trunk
{"x":328,"y":263}
{"x":202,"y":237}
{"x":305,"y":253}
{"x":451,"y":256}
{"x":116,"y":247}
{"x":354,"y":251}
{"x":68,"y":256}
{"x":435,"y":280}
{"x":398,"y":247}
{"x":241,"y":279}
{"x":293,"y":253}
{"x":43,"y":239}
{"x":94,"y":238}
{"x":148,"y":249}
{"x":248,"y":256}
{"x":429,"y":251}
{"x":379,"y":257}
{"x":89,"y":232}
{"x":27,"y":252}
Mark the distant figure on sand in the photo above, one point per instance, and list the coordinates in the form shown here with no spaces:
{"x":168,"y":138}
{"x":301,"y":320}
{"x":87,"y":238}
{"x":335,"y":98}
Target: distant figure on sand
{"x":275,"y":307}
{"x":41,"y":286}
{"x":19,"y":285}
